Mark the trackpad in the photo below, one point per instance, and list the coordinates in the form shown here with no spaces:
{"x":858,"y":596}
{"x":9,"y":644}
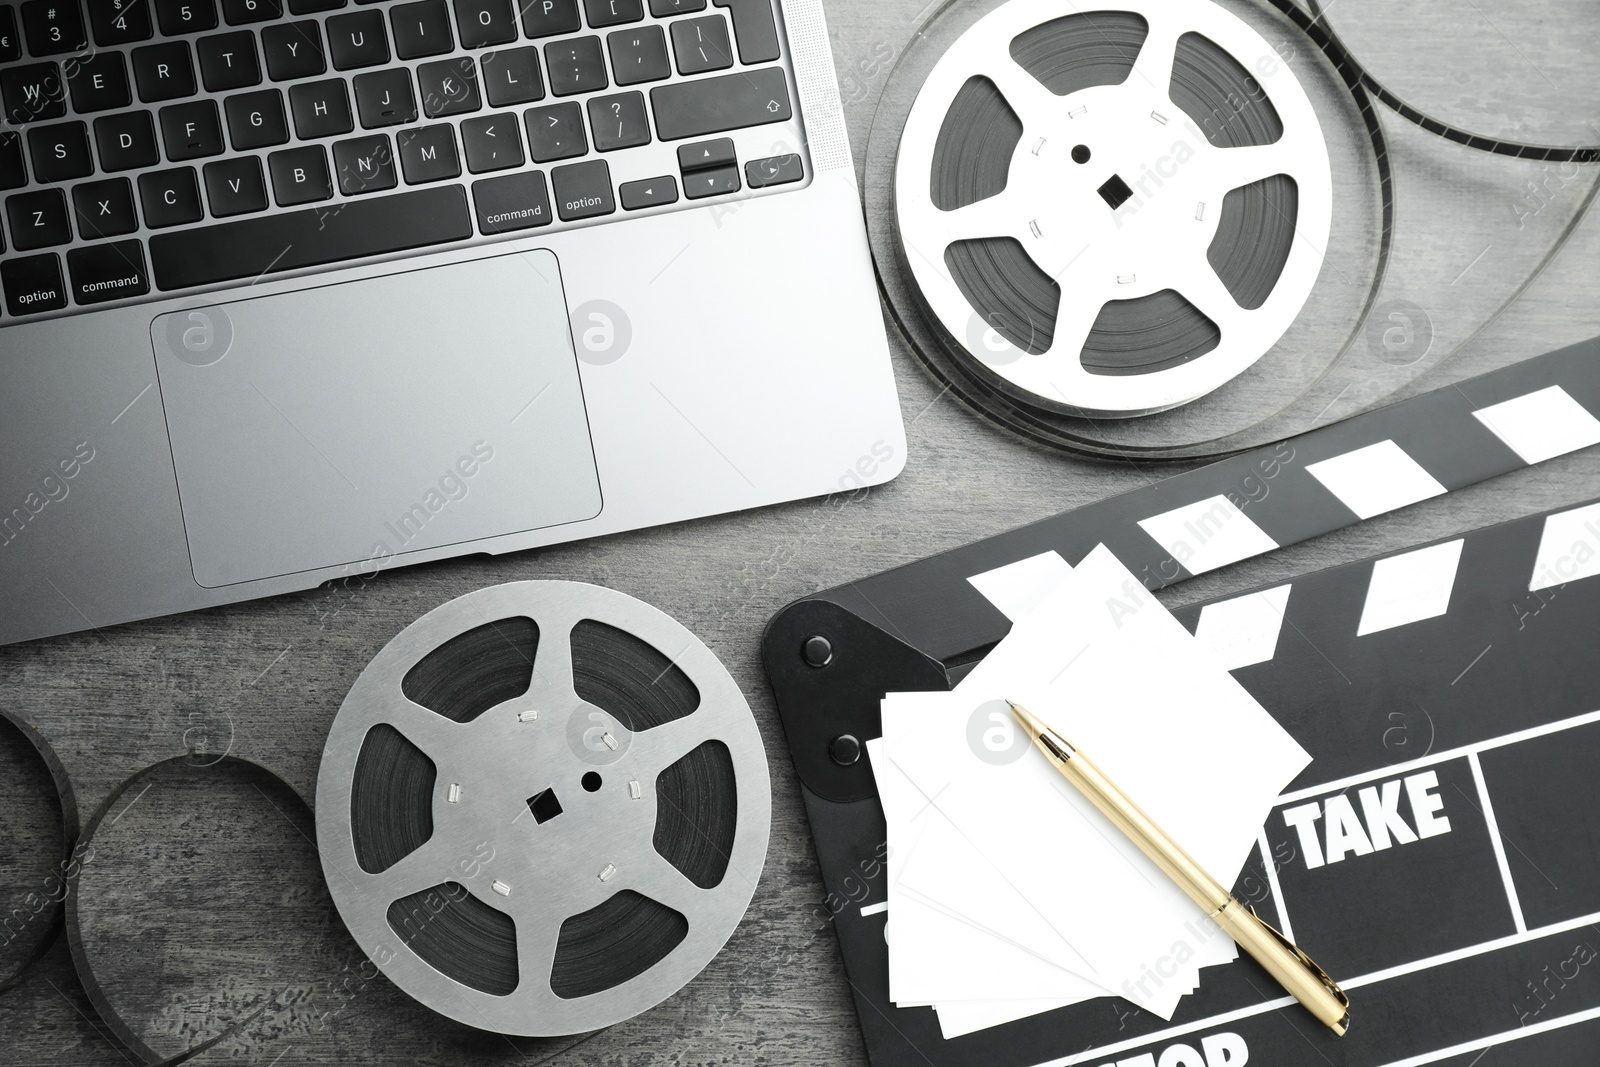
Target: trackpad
{"x":351,"y":423}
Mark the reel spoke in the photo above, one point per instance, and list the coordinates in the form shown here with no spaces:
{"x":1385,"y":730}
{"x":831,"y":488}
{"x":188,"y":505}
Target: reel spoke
{"x":1153,"y":66}
{"x":653,"y":751}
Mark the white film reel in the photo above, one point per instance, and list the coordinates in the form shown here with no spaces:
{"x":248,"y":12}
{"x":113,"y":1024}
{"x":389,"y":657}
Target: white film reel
{"x":1060,"y":203}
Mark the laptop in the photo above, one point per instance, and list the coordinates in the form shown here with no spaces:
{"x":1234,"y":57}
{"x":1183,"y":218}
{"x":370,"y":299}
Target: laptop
{"x":298,"y":291}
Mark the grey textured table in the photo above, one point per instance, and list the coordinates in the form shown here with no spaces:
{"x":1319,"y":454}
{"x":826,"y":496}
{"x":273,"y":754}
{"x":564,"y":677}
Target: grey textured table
{"x":208,"y":900}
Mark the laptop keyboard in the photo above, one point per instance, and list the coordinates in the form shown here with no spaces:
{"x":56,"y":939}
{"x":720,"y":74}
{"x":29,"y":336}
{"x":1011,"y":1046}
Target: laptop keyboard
{"x":152,"y":146}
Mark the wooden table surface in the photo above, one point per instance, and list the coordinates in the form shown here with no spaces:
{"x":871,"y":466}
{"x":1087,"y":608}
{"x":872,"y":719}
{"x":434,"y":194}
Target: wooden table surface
{"x":204,"y":901}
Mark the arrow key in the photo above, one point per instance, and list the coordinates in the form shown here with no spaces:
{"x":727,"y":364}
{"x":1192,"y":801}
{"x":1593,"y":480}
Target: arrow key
{"x":714,"y":182}
{"x":774,"y":170}
{"x":649,"y":192}
{"x":703,"y":155}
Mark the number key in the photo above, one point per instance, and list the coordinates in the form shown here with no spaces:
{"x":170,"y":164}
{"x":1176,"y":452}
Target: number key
{"x":186,"y":16}
{"x":119,"y":21}
{"x":239,"y":12}
{"x":53,"y":27}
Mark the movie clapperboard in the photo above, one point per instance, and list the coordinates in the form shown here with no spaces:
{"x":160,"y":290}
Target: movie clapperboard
{"x":1440,"y":856}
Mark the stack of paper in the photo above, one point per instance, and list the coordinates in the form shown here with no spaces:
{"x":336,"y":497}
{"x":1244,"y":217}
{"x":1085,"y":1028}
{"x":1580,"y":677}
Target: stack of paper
{"x":1009,"y":894}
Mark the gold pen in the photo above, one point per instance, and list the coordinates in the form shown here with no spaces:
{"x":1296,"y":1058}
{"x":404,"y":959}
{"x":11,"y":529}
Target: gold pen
{"x":1292,"y":968}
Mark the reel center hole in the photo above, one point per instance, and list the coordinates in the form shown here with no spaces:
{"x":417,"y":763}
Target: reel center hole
{"x":590,"y":781}
{"x":544,"y":805}
{"x":1080,"y":153}
{"x":1115,"y":191}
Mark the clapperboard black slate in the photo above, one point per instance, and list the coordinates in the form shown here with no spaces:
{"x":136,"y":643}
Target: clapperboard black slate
{"x":1440,"y":856}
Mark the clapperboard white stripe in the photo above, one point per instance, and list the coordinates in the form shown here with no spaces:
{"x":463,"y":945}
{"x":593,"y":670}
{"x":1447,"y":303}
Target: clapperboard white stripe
{"x":1541,"y":425}
{"x":1410,"y":587}
{"x":1497,"y":843}
{"x":1375,"y":479}
{"x":1017,"y":587}
{"x":1569,"y":548}
{"x":1244,"y":631}
{"x":1207,"y":534}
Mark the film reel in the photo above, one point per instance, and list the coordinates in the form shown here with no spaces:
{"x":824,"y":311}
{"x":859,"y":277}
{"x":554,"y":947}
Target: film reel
{"x":1107,"y":209}
{"x":543,"y":808}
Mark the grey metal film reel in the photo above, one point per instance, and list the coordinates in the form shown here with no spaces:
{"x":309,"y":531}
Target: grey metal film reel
{"x":543,"y":812}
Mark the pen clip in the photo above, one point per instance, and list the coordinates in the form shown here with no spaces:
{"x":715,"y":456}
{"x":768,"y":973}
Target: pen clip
{"x":1299,"y":953}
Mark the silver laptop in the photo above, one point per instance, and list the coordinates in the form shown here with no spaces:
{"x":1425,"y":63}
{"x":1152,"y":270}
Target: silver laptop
{"x":300,"y":290}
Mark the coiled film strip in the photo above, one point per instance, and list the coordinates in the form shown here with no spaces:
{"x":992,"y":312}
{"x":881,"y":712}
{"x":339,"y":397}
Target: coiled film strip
{"x":1105,"y":208}
{"x":543,"y":808}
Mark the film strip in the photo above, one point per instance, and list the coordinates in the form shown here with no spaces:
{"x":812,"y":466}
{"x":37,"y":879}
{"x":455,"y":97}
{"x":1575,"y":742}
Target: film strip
{"x":562,"y":787}
{"x":1398,"y":675}
{"x":983,"y":310}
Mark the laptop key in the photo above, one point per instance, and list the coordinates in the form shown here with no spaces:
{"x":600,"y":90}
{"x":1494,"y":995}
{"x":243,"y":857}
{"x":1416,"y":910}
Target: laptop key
{"x":163,"y":71}
{"x":235,"y":187}
{"x":358,"y":40}
{"x":191,"y":130}
{"x":774,"y":170}
{"x":185,"y":16}
{"x":755,"y":28}
{"x":33,"y":93}
{"x":53,"y":27}
{"x":364,"y":165}
{"x":61,"y":152}
{"x":619,"y":121}
{"x":10,"y":46}
{"x":663,"y":8}
{"x":33,"y":284}
{"x":716,"y":105}
{"x":311,"y":7}
{"x":649,"y":192}
{"x":243,"y":12}
{"x":108,"y":272}
{"x":492,"y":142}
{"x":714,"y":181}
{"x":514,"y":202}
{"x":428,"y":154}
{"x":99,"y":82}
{"x":105,"y":208}
{"x":702,"y":45}
{"x":126,"y":141}
{"x":421,"y":29}
{"x":576,"y":66}
{"x":256,"y":120}
{"x":38,"y":219}
{"x":639,"y":55}
{"x":485,"y":22}
{"x":384,"y":98}
{"x":512,"y":76}
{"x":541,"y":18}
{"x":555,"y":132}
{"x":293,"y":50}
{"x":613,"y":12}
{"x":583,"y":190}
{"x":119,"y":21}
{"x":449,"y":87}
{"x":248,"y":248}
{"x":228,"y":61}
{"x":703,"y":154}
{"x":170,"y":198}
{"x":300,"y":176}
{"x":321,"y":109}
{"x":13,"y":172}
